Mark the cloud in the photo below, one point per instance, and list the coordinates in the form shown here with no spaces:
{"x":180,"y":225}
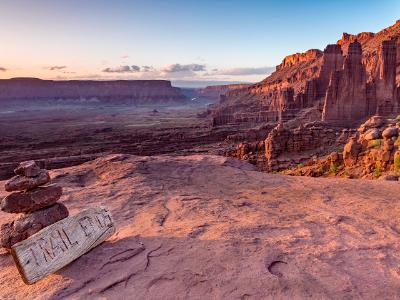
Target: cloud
{"x":175,"y":68}
{"x":147,"y":69}
{"x":123,"y":69}
{"x":56,"y":68}
{"x":3,"y":69}
{"x":125,"y":56}
{"x":244,"y":71}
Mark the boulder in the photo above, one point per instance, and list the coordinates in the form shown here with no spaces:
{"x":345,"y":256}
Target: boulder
{"x":27,"y":225}
{"x":390,"y":132}
{"x":334,"y":157}
{"x":28,"y":168}
{"x":389,"y":177}
{"x":373,"y":134}
{"x":32,"y":200}
{"x":374,"y":122}
{"x":22,"y":183}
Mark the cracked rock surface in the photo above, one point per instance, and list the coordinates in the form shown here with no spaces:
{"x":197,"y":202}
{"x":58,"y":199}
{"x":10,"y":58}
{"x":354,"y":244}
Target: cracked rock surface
{"x":208,"y":227}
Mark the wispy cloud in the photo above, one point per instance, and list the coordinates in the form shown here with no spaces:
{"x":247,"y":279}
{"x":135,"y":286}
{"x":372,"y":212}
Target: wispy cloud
{"x":147,"y":69}
{"x":175,"y":68}
{"x":3,"y":69}
{"x":243,"y":71}
{"x":56,"y":68}
{"x":122,"y":69}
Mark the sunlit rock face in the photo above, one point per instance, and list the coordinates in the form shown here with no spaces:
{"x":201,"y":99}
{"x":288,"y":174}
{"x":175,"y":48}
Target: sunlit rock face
{"x":346,"y":97}
{"x":355,"y":78}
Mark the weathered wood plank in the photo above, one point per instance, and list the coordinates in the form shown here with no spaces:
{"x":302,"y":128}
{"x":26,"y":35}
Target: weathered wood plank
{"x":61,"y":243}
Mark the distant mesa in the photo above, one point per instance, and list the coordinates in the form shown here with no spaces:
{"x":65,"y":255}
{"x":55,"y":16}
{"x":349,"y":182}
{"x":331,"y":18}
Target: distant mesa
{"x":129,"y":91}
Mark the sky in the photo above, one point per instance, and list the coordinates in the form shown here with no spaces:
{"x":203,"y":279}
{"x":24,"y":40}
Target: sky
{"x":203,"y":40}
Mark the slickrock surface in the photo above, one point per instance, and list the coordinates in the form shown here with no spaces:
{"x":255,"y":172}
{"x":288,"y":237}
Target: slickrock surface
{"x":21,"y":183}
{"x":206,"y":227}
{"x":27,"y":225}
{"x":24,"y":202}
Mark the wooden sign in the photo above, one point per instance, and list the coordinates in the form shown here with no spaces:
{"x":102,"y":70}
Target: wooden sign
{"x":61,"y":243}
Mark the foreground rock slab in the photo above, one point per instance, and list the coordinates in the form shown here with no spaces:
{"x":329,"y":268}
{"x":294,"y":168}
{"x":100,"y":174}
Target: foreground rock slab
{"x":24,"y":202}
{"x":27,"y":225}
{"x":206,"y":227}
{"x":57,"y":245}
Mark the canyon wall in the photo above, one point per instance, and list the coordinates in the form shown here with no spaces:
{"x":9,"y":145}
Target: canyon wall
{"x":130,"y":91}
{"x":215,"y":91}
{"x":347,"y":82}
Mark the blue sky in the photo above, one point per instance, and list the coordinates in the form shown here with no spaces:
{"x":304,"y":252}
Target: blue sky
{"x":190,"y":40}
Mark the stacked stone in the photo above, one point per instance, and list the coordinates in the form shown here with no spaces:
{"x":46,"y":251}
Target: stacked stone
{"x":35,"y":199}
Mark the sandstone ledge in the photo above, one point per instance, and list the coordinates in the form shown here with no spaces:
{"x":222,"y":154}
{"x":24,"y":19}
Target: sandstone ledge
{"x":205,"y":227}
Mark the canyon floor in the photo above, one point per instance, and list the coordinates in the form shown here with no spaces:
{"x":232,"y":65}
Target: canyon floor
{"x":210,"y":227}
{"x":41,"y":131}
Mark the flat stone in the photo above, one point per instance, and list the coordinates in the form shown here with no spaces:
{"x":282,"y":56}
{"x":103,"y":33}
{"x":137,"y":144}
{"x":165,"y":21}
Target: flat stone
{"x":28,"y":168}
{"x":389,"y":177}
{"x":22,"y":183}
{"x":27,"y":225}
{"x":32,"y":200}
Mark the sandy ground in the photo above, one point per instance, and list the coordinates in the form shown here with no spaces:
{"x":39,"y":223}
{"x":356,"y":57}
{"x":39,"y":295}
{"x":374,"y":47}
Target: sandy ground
{"x":207,"y":227}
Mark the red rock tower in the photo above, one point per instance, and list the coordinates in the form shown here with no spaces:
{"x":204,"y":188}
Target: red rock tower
{"x":346,"y":97}
{"x":386,"y":81}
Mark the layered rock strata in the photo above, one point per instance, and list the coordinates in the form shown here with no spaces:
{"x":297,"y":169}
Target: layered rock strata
{"x":355,"y":78}
{"x":129,"y":91}
{"x":286,"y":147}
{"x":34,"y":200}
{"x":372,"y":152}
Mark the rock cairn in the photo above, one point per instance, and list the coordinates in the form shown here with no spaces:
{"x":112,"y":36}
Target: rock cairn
{"x":34,"y":199}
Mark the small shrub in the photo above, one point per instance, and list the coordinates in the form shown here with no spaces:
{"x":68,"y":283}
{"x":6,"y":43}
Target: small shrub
{"x":300,"y":165}
{"x":334,"y":167}
{"x":376,"y":143}
{"x":377,"y":171}
{"x":397,"y":163}
{"x":397,"y":142}
{"x":398,"y":118}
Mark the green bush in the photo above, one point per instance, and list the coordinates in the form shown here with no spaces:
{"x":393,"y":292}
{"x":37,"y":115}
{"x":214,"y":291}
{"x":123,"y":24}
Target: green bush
{"x":334,"y":167}
{"x":377,"y":171}
{"x":397,"y":163}
{"x":398,"y":118}
{"x":376,"y":143}
{"x":397,"y":142}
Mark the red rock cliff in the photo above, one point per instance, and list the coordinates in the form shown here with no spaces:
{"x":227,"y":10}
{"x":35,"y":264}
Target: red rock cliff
{"x":365,"y":67}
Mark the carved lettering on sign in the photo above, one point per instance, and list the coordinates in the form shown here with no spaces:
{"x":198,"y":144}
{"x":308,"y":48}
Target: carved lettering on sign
{"x":59,"y":244}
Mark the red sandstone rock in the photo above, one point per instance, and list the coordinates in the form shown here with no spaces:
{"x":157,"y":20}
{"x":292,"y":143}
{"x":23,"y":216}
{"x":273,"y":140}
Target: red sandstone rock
{"x":22,"y":183}
{"x":373,"y":134}
{"x":27,"y":225}
{"x":362,"y":84}
{"x":28,"y":168}
{"x":32,"y":200}
{"x":297,"y":58}
{"x":390,"y":132}
{"x":346,"y":96}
